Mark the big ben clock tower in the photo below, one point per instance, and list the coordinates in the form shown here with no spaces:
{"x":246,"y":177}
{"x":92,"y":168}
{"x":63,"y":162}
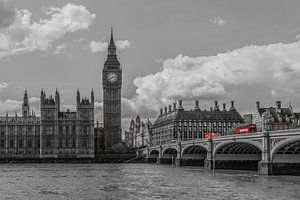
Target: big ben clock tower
{"x":112,"y":82}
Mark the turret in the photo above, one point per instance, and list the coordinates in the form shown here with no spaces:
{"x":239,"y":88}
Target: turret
{"x":138,"y":123}
{"x":57,"y":100}
{"x":25,"y":105}
{"x":92,"y":97}
{"x":78,"y":97}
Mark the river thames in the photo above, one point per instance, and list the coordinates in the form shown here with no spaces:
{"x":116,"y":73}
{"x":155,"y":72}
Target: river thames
{"x":139,"y":181}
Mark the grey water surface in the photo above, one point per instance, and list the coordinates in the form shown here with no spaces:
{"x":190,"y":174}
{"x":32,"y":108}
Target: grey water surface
{"x":139,"y":181}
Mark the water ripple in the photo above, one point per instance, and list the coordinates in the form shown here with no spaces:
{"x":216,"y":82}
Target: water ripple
{"x":139,"y":181}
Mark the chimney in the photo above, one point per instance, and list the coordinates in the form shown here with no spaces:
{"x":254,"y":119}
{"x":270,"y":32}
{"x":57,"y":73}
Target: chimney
{"x":180,"y":105}
{"x":278,"y":106}
{"x":257,"y":105}
{"x":174,"y":106}
{"x":161,"y":111}
{"x":232,"y":106}
{"x":166,"y":110}
{"x":170,"y":108}
{"x":216,"y":108}
{"x":224,"y":106}
{"x":197,"y":105}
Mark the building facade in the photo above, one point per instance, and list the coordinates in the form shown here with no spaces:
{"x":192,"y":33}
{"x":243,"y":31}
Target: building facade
{"x":139,"y":133}
{"x":174,"y":124}
{"x":275,"y":118}
{"x":112,"y":83}
{"x":55,"y":134}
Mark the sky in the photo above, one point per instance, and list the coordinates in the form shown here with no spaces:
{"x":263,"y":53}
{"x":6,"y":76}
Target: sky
{"x":241,"y":50}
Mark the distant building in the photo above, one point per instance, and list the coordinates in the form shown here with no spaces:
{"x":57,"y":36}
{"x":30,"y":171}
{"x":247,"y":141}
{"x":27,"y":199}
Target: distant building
{"x":67,"y":134}
{"x":179,"y":124}
{"x":248,"y":118}
{"x":56,"y":134}
{"x":112,"y":85}
{"x":277,"y":118}
{"x":20,"y":135}
{"x":139,"y":133}
{"x":127,"y":139}
{"x":99,"y":139}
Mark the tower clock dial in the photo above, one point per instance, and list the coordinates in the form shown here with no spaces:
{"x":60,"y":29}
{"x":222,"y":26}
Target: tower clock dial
{"x":112,"y":77}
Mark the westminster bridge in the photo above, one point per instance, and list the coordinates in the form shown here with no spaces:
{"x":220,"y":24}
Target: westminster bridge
{"x":270,"y":152}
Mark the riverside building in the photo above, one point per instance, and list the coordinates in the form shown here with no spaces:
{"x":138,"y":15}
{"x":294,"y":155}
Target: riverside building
{"x":276,"y":118}
{"x":175,"y":124}
{"x":139,"y":133}
{"x":55,"y":134}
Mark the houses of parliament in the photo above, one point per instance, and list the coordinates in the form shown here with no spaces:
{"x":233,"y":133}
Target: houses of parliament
{"x":67,"y":134}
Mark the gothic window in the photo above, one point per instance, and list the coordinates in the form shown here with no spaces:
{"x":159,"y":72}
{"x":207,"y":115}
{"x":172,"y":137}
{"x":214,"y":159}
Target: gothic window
{"x":29,"y":143}
{"x":20,"y":143}
{"x":2,"y":143}
{"x":37,"y":143}
{"x":48,"y":143}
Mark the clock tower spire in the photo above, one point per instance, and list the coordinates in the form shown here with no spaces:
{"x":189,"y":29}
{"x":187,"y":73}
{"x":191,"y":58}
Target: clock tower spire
{"x":112,"y":47}
{"x":111,"y":83}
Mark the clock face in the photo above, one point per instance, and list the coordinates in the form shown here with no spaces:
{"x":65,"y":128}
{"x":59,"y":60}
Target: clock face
{"x":112,"y":77}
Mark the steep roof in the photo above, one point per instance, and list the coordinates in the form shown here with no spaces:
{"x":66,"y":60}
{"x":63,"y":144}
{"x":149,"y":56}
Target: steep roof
{"x":198,"y":115}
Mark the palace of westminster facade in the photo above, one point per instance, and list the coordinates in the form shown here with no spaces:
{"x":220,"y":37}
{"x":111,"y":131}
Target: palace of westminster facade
{"x":67,"y":134}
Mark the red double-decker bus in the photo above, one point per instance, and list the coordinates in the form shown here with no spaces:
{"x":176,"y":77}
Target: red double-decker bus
{"x":208,"y":135}
{"x":245,"y":128}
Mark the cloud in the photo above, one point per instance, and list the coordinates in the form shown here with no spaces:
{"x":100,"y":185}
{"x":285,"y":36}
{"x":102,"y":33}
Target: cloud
{"x":246,"y":74}
{"x":60,"y":49}
{"x":10,"y":105}
{"x":7,"y":13}
{"x":34,"y":100}
{"x":3,"y":85}
{"x":102,"y":46}
{"x":123,"y":44}
{"x":218,"y":21}
{"x":26,"y":35}
{"x":98,"y":46}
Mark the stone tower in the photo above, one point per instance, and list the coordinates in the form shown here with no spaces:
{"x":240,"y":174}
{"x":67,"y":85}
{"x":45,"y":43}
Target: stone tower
{"x":25,"y":105}
{"x":111,"y":83}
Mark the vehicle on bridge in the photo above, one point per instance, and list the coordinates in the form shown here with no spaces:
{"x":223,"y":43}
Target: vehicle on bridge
{"x":245,"y":128}
{"x":210,"y":134}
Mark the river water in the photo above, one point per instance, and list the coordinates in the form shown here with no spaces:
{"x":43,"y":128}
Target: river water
{"x":139,"y":181}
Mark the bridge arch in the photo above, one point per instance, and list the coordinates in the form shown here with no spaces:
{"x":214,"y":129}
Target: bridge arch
{"x":231,"y":147}
{"x":286,"y":151}
{"x":169,"y":152}
{"x":237,"y":155}
{"x":194,"y":149}
{"x":154,"y":153}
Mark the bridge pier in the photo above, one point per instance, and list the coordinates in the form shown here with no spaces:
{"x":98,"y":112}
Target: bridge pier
{"x":178,"y":162}
{"x":265,"y":166}
{"x":158,"y":160}
{"x":209,"y":161}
